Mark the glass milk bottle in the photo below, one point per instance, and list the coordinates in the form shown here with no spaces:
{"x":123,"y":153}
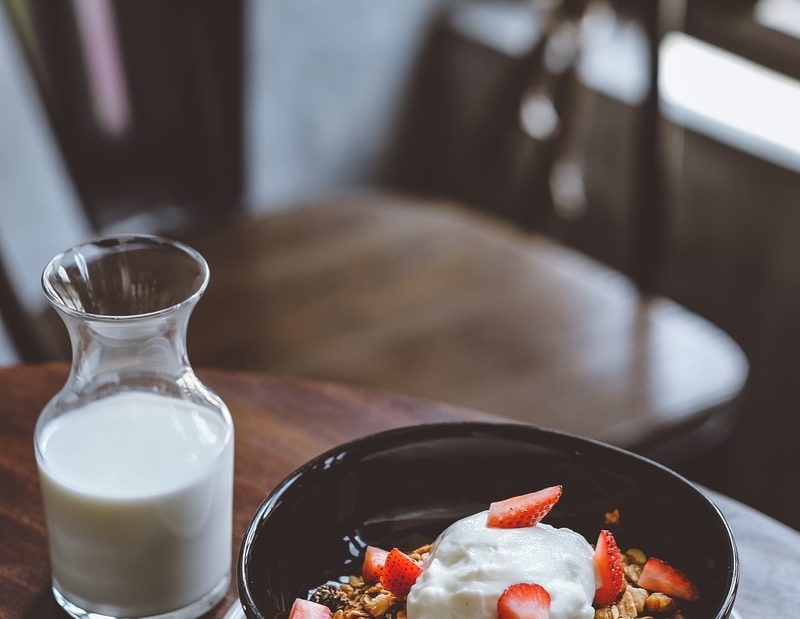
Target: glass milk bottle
{"x":135,"y":454}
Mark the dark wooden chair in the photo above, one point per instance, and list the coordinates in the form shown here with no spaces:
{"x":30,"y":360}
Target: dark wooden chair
{"x":431,"y":298}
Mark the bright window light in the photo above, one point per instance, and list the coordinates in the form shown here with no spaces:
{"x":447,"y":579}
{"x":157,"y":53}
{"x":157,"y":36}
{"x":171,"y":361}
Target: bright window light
{"x":731,"y":99}
{"x":781,"y":15}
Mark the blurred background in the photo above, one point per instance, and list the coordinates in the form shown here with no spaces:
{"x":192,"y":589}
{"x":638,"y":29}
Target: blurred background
{"x":581,"y":214}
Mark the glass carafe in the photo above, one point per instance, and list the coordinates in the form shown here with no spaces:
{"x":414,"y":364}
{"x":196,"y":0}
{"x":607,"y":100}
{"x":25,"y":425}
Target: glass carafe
{"x":135,"y":454}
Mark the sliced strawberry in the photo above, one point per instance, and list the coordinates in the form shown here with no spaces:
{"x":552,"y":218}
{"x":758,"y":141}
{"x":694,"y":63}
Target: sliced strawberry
{"x":524,"y":601}
{"x":608,"y":568}
{"x":303,"y":609}
{"x":660,"y":576}
{"x":399,"y":573}
{"x":374,"y":558}
{"x":523,"y":511}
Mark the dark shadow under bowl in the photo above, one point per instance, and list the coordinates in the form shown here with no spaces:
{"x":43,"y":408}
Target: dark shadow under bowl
{"x":403,"y":487}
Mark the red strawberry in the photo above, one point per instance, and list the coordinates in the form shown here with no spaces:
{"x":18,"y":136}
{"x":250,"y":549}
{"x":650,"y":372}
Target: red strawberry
{"x":374,"y":558}
{"x":523,"y":511}
{"x":524,"y":601}
{"x":399,"y":573}
{"x":659,"y":575}
{"x":303,"y":609}
{"x":608,"y":568}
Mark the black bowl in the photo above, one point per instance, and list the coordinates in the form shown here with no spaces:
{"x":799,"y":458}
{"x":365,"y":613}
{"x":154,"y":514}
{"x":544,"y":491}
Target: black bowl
{"x":403,"y":487}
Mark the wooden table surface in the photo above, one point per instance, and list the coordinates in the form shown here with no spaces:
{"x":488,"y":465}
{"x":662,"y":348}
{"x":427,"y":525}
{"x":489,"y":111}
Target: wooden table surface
{"x":280,"y":423}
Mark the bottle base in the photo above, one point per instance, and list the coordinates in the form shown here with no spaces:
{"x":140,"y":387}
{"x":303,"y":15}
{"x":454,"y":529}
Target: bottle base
{"x":190,"y":611}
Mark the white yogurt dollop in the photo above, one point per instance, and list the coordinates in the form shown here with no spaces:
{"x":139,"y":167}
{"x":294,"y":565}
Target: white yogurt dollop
{"x":471,"y":564}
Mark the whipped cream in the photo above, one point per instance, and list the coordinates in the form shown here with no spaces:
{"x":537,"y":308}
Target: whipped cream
{"x":471,"y":564}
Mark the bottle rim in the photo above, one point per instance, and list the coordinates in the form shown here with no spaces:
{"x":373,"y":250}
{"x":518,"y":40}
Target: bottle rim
{"x":120,"y":243}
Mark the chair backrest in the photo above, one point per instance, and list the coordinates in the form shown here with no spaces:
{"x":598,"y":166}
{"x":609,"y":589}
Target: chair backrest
{"x":503,"y":133}
{"x":144,"y":99}
{"x":461,"y":120}
{"x":159,"y":124}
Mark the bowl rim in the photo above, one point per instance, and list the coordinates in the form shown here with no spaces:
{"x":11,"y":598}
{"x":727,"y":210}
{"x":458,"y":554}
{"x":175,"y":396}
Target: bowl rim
{"x":273,"y":498}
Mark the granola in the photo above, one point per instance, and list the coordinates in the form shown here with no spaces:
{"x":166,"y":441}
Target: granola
{"x":601,"y":580}
{"x":357,"y":599}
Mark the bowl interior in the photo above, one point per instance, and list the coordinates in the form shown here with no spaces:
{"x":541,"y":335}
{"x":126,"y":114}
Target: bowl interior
{"x":403,"y":487}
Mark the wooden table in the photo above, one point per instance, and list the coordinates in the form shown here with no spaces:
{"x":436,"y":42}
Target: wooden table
{"x":435,"y":300}
{"x":280,"y":423}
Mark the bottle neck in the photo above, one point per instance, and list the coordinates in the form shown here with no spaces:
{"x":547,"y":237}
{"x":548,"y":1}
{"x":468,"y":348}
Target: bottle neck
{"x":126,"y":352}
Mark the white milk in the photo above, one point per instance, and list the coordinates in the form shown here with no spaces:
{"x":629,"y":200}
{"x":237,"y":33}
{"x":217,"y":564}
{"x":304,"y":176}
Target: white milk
{"x":138,"y":497}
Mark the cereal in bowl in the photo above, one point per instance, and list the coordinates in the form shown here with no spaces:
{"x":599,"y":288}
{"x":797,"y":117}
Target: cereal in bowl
{"x":505,"y":563}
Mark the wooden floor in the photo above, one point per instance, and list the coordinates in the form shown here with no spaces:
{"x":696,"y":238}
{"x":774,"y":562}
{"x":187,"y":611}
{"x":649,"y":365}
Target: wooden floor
{"x":438,"y":302}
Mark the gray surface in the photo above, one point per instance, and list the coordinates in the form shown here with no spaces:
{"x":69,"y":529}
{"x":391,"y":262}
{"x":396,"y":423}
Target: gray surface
{"x":769,"y":556}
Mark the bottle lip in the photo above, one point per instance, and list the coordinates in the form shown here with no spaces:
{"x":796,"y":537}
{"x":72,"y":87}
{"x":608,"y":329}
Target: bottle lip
{"x":120,"y":242}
